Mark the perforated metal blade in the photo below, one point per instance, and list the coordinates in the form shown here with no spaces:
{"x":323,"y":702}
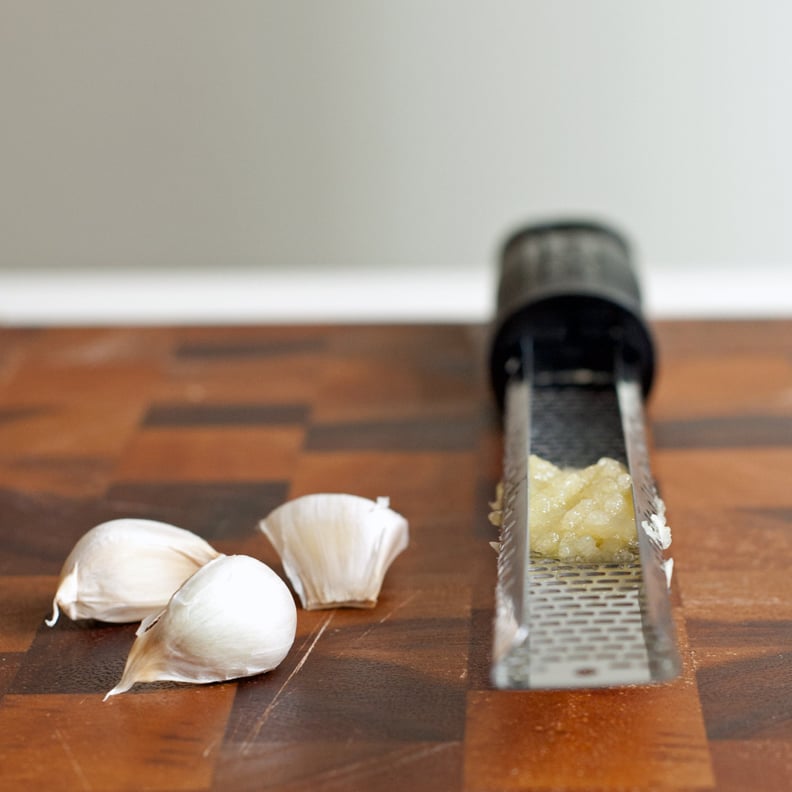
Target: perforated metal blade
{"x":566,"y":625}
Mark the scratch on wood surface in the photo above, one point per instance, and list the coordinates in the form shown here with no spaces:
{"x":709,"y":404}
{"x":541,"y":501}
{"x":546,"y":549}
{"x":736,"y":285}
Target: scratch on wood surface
{"x":210,"y":747}
{"x":72,"y":760}
{"x":341,"y":777}
{"x":398,"y":606}
{"x":259,"y":724}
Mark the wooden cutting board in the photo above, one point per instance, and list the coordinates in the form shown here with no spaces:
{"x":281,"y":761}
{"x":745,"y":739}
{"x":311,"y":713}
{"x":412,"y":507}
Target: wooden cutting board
{"x":211,"y":428}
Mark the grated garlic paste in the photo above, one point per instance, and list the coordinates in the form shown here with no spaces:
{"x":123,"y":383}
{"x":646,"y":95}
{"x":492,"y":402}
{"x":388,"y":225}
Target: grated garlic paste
{"x":583,"y":515}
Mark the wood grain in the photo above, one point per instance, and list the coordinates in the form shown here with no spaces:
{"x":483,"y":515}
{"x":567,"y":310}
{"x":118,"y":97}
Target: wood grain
{"x":210,"y":428}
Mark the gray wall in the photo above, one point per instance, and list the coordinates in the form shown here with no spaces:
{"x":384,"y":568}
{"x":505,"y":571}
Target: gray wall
{"x":413,"y":133}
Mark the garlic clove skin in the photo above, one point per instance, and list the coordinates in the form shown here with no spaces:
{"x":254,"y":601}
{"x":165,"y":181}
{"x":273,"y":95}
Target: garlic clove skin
{"x":336,"y":548}
{"x":125,"y":569}
{"x":233,"y":618}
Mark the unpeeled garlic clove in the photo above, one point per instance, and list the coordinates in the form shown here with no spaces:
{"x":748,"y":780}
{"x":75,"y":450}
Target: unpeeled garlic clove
{"x":125,"y":569}
{"x":233,"y":618}
{"x":336,"y":548}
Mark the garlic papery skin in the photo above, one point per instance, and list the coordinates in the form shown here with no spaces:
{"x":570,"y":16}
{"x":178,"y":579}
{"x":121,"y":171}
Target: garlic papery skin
{"x":124,"y":570}
{"x":336,"y":548}
{"x":233,"y":618}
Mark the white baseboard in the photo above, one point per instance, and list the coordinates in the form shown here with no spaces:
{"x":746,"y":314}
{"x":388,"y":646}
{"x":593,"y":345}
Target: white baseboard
{"x":245,"y":297}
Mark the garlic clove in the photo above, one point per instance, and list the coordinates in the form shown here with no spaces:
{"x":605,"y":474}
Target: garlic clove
{"x":336,"y":548}
{"x":125,"y":569}
{"x":233,"y":618}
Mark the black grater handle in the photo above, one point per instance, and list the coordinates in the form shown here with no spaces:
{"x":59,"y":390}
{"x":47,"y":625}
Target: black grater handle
{"x":570,"y":288}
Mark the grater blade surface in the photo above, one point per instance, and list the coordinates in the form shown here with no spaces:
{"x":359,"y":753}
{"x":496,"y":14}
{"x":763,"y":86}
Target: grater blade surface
{"x":568,"y":625}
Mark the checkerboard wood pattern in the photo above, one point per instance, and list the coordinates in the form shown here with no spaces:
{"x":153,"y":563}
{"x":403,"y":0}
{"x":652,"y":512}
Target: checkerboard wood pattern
{"x":211,"y":428}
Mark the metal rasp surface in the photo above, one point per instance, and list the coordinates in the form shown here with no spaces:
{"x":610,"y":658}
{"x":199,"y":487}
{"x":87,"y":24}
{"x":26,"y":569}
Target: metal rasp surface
{"x":572,"y":361}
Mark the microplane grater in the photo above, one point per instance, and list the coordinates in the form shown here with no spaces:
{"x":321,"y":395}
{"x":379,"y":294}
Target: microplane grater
{"x":571,"y":364}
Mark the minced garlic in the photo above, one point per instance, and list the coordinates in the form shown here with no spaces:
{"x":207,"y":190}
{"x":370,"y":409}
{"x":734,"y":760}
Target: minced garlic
{"x":578,"y":514}
{"x":582,"y":515}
